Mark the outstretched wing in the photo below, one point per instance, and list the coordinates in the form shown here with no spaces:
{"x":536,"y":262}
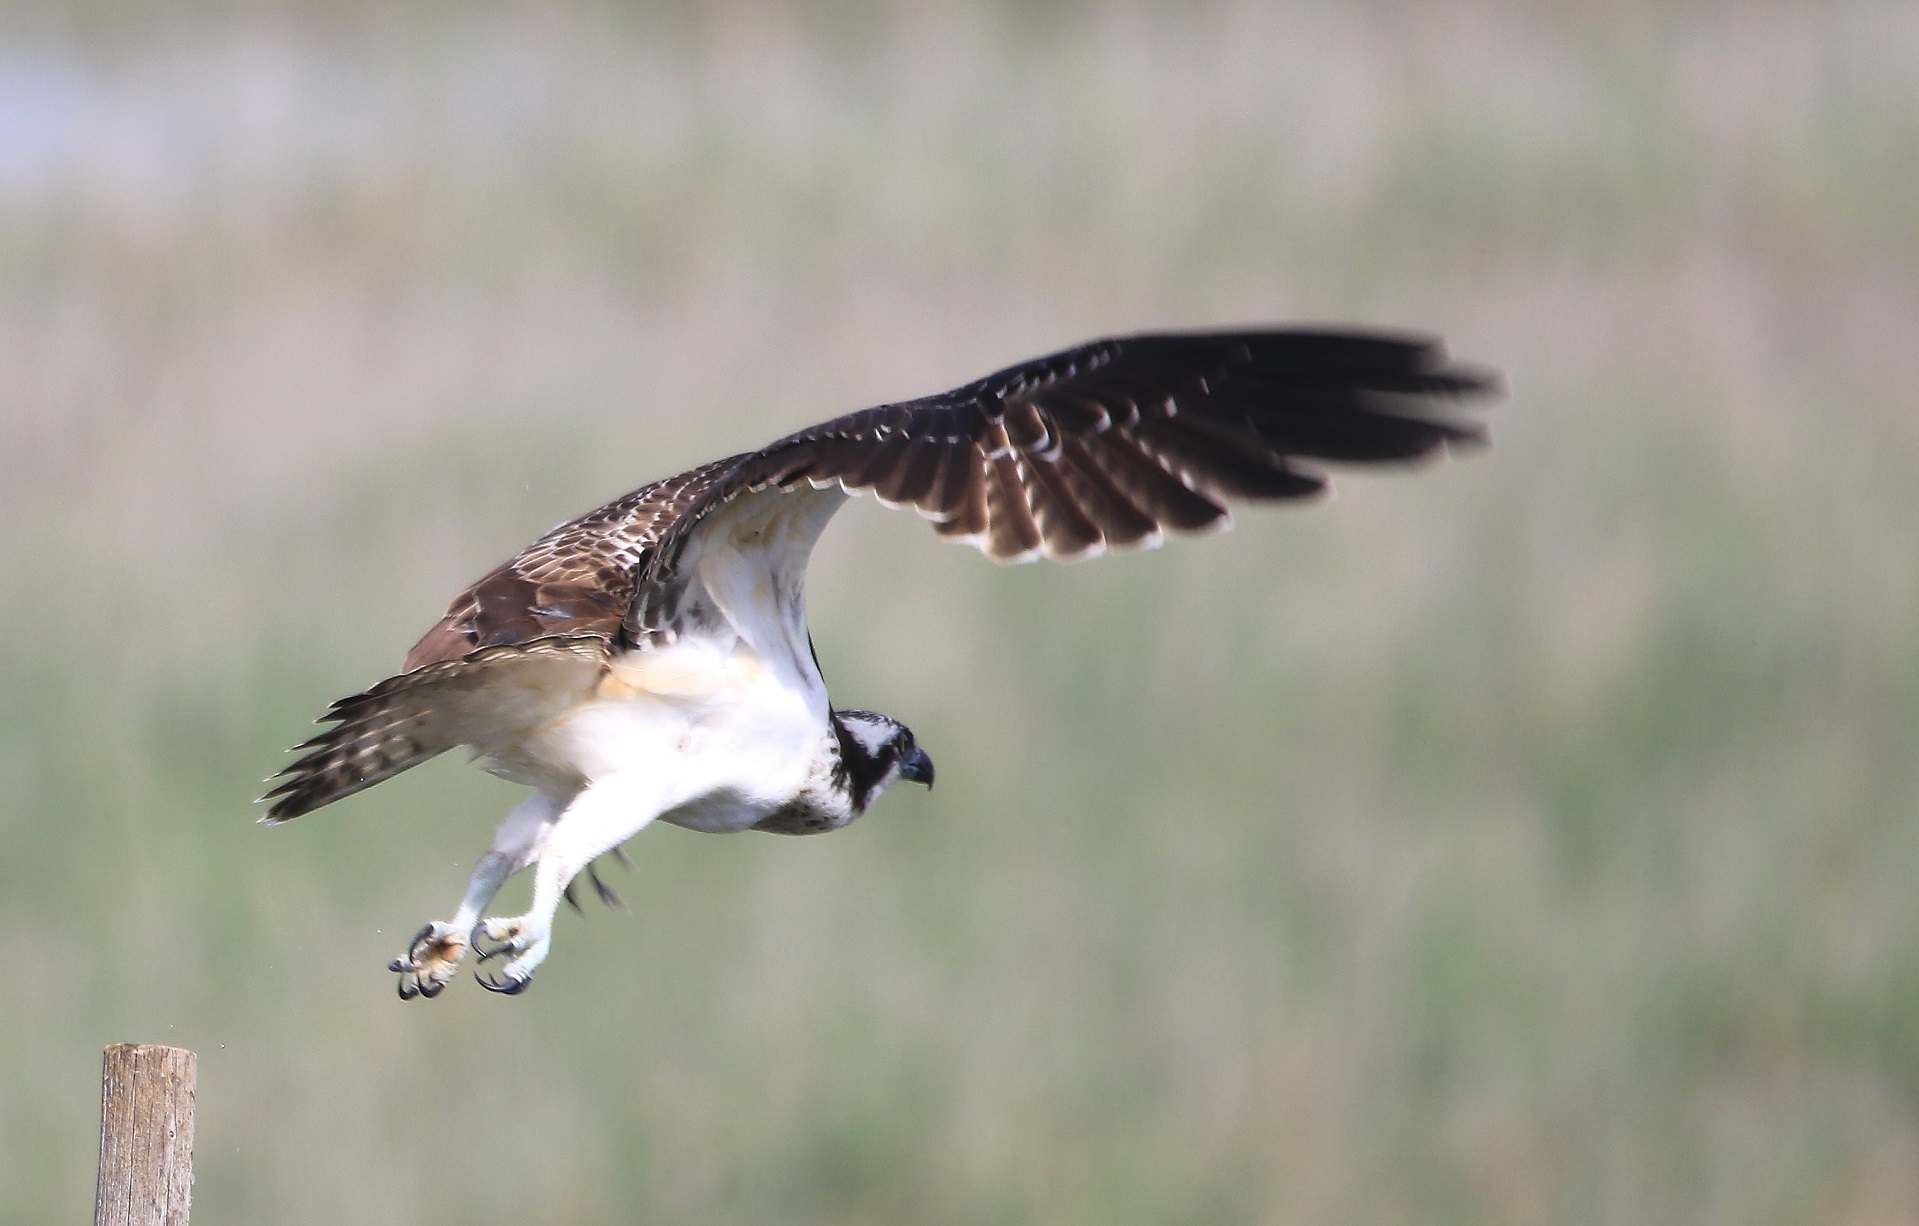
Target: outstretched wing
{"x":1109,"y":445}
{"x":1112,"y":444}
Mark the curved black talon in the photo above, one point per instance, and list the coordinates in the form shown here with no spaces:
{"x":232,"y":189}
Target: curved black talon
{"x":420,"y":937}
{"x":473,"y":941}
{"x":506,"y":985}
{"x":407,"y":990}
{"x":430,"y":988}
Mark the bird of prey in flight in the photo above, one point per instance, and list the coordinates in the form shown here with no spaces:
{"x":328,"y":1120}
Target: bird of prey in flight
{"x":650,"y":661}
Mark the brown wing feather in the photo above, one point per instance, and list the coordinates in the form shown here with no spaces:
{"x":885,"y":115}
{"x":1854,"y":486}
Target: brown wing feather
{"x":1119,"y":441}
{"x":1121,"y":522}
{"x":512,"y":650}
{"x":577,"y":580}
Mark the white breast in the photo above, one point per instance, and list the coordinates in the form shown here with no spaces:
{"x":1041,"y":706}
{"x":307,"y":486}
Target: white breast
{"x":733,"y":711}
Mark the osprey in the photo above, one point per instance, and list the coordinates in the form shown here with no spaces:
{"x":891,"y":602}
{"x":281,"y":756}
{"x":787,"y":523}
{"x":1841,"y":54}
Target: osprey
{"x":650,"y":661}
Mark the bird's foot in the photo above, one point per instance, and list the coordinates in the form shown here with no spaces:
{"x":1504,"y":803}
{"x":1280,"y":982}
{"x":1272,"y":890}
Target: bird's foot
{"x":519,"y":936}
{"x":430,"y":961}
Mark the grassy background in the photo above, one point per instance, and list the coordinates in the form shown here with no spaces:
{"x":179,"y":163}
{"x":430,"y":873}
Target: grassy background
{"x":1530,"y":839}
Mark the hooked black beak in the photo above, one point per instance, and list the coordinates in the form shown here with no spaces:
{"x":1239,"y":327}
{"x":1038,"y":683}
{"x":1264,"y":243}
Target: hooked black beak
{"x":918,"y":768}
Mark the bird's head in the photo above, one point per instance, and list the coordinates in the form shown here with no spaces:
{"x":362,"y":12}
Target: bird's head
{"x":876,"y":750}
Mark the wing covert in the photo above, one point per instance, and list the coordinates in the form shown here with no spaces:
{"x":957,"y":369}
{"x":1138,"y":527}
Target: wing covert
{"x":578,"y":580}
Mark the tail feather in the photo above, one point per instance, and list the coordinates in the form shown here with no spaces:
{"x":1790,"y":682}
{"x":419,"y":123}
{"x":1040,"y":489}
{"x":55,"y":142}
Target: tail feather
{"x":482,"y":698}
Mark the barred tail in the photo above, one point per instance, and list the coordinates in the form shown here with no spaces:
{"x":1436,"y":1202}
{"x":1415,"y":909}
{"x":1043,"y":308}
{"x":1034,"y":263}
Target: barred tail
{"x":376,"y":736}
{"x":483,"y":697}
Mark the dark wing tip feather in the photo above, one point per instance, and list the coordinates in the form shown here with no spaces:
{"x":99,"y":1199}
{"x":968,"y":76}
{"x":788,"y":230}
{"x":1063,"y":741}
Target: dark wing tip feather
{"x":1118,"y":442}
{"x":980,"y":460}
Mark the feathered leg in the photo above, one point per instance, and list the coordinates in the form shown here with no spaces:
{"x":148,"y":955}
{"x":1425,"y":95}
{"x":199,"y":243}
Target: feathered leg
{"x":609,"y":812}
{"x":434,"y":956}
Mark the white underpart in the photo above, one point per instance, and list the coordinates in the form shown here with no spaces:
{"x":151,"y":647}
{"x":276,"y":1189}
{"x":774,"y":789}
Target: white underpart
{"x":714,"y":731}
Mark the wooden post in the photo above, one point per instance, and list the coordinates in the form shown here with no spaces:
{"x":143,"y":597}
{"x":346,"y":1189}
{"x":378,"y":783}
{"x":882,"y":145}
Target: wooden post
{"x":146,"y":1136}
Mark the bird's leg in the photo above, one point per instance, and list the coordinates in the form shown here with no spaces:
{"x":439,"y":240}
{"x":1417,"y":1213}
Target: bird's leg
{"x":435,"y":953}
{"x":611,"y":811}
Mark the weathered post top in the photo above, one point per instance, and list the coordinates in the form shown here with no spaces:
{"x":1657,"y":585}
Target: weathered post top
{"x":146,"y":1136}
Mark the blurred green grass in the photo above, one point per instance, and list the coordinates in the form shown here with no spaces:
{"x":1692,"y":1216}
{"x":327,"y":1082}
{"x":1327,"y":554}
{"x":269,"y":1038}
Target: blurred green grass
{"x":1528,"y":839}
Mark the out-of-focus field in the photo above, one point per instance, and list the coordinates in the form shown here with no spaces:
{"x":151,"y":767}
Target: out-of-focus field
{"x":1533,"y":838}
